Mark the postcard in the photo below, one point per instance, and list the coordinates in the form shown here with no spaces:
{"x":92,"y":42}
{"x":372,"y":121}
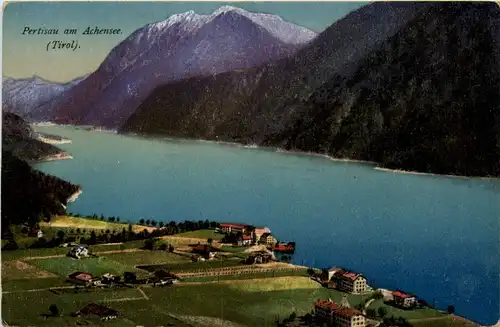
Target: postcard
{"x":250,"y":164}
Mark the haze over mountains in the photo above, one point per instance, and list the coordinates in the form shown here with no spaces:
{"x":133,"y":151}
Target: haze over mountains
{"x":415,"y":86}
{"x":184,"y":45}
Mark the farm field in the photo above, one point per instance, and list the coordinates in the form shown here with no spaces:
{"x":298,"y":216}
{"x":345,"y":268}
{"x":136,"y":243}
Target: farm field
{"x":96,"y":266}
{"x":146,"y":258}
{"x":408,"y":314}
{"x":26,"y":309}
{"x":203,"y":234}
{"x":87,"y":223}
{"x":250,"y":299}
{"x":188,"y":266}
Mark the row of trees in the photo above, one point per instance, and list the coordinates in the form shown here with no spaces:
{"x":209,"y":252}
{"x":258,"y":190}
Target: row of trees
{"x":105,"y":236}
{"x":178,"y":227}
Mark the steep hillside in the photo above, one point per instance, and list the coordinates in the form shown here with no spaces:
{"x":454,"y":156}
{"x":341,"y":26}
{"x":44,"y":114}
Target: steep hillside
{"x":427,"y":100}
{"x":266,"y":95}
{"x":415,"y":86}
{"x":29,"y":195}
{"x":19,"y":139}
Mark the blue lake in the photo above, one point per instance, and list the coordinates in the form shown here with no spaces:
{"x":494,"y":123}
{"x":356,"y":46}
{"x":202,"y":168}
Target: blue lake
{"x":435,"y":236}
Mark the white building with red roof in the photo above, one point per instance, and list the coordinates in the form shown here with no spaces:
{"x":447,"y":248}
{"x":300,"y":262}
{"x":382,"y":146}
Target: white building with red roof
{"x":233,"y":228}
{"x":350,"y":282}
{"x":339,"y":315}
{"x":403,"y":299}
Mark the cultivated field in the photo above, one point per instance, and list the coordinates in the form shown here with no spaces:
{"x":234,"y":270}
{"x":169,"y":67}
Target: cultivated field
{"x":243,"y":296}
{"x":86,"y":223}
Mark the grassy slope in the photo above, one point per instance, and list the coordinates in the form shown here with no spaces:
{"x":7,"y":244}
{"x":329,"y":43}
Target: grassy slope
{"x":203,"y":233}
{"x":78,"y":222}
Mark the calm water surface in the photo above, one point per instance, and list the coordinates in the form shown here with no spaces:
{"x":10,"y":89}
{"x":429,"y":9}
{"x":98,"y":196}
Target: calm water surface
{"x":434,"y":236}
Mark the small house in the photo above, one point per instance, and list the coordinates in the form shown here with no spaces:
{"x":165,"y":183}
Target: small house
{"x":245,"y":240}
{"x":35,"y":232}
{"x":258,"y":232}
{"x":78,"y":251}
{"x":404,"y":300}
{"x":260,"y":257}
{"x":267,"y":239}
{"x":328,"y":274}
{"x":103,"y":312}
{"x":109,"y":278}
{"x":81,"y":277}
{"x":205,"y":250}
{"x":229,"y":228}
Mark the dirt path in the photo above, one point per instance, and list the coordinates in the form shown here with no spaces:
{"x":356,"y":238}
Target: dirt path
{"x":39,"y":289}
{"x":98,"y":252}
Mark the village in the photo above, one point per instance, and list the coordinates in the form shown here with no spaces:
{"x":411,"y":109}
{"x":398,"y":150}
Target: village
{"x":230,"y":254}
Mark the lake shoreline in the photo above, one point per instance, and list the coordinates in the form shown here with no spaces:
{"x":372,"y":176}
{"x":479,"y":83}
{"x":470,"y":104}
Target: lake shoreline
{"x":377,"y":165}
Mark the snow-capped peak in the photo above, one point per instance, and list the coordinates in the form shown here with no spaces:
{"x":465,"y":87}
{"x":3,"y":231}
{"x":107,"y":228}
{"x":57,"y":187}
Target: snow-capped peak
{"x":286,"y":32}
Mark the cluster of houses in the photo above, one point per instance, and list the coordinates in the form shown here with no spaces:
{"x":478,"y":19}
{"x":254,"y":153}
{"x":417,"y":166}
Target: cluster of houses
{"x":108,"y":280}
{"x":86,"y":279}
{"x":246,"y":235}
{"x":355,"y":283}
{"x":338,"y":314}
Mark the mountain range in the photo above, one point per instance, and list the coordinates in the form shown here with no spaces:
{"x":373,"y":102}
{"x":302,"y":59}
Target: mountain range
{"x":184,"y":45}
{"x":25,"y":96}
{"x":412,"y":86}
{"x":409,"y":85}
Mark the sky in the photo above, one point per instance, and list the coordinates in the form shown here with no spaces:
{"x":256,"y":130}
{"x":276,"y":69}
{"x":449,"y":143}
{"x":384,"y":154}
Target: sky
{"x":26,"y":55}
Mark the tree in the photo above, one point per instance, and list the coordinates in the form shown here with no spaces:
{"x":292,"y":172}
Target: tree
{"x":171,"y":248}
{"x":60,"y":234}
{"x":382,"y":312}
{"x":111,"y":219}
{"x":153,"y":223}
{"x":310,"y":271}
{"x":161,"y":224}
{"x":377,"y":295}
{"x":451,"y":309}
{"x":118,"y":219}
{"x":93,"y":238}
{"x":210,"y":241}
{"x":102,"y":217}
{"x":54,"y":310}
{"x":78,"y":231}
{"x":148,"y":222}
{"x":371,"y":313}
{"x":141,"y":222}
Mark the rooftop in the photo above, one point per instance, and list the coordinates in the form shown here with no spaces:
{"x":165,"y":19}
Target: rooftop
{"x":326,"y":304}
{"x":233,"y":225}
{"x":348,"y":312}
{"x":402,"y":294}
{"x":81,"y":275}
{"x":98,"y":310}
